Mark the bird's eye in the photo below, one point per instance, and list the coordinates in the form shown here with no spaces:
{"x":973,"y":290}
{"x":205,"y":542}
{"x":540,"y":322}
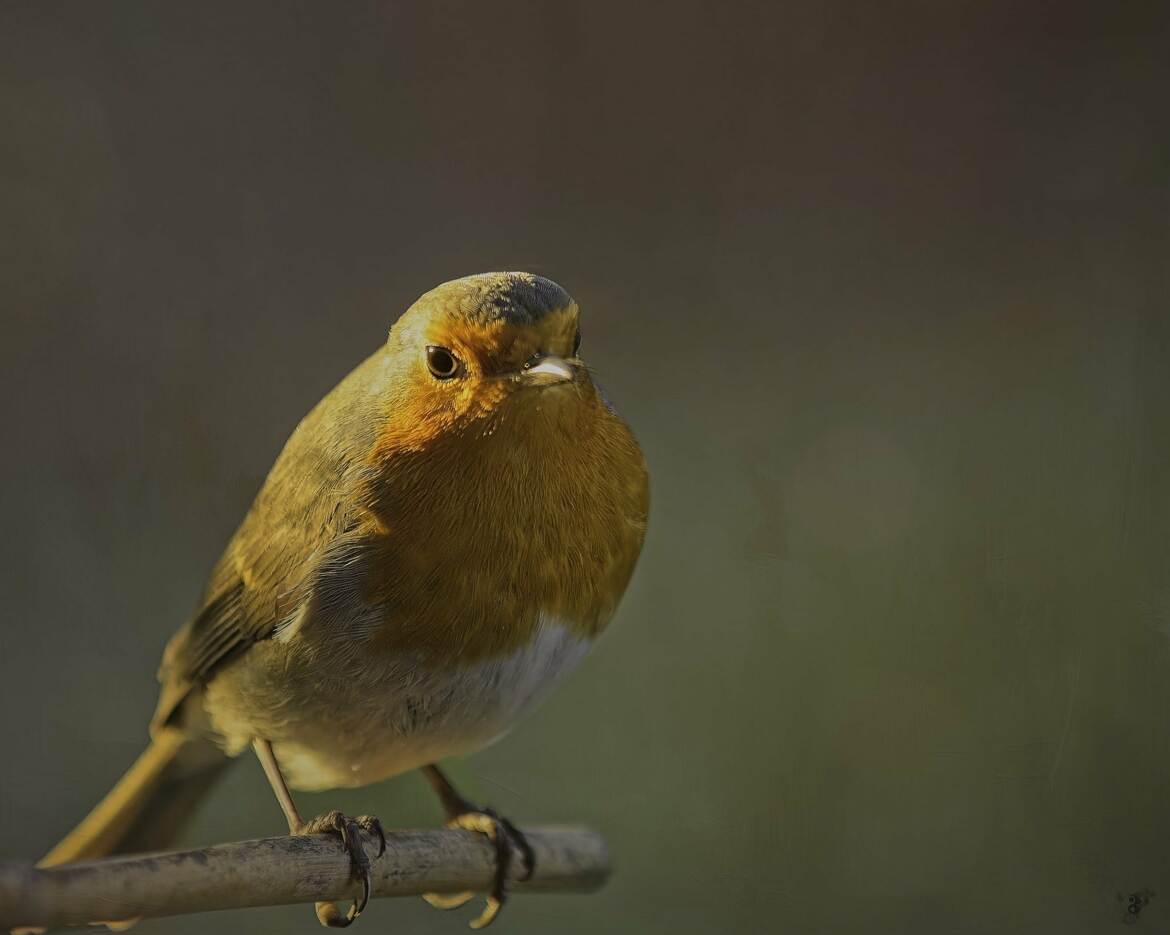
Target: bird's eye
{"x":442,"y":364}
{"x":577,"y":342}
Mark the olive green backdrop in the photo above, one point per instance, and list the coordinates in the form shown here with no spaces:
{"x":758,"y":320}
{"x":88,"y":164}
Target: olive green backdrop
{"x":883,"y":291}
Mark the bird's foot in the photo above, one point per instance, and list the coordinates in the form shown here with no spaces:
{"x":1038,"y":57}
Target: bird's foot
{"x":349,"y":830}
{"x":509,"y":841}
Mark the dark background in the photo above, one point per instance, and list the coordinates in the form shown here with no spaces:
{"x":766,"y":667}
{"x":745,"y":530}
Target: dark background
{"x":882,"y":289}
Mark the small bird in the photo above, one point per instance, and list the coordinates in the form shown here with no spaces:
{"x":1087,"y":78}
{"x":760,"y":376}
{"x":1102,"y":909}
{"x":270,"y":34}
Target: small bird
{"x":442,"y":538}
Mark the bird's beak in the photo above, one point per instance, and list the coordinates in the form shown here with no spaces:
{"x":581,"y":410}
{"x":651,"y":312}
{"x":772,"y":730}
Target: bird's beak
{"x":546,"y":371}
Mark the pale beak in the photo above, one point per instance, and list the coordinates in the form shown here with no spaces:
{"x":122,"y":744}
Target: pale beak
{"x":547,"y":371}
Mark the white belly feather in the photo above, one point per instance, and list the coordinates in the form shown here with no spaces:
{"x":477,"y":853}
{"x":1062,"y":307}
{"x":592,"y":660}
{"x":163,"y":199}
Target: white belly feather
{"x":413,"y":715}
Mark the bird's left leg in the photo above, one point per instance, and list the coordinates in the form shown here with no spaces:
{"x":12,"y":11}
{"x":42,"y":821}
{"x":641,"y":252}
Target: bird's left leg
{"x":348,"y":829}
{"x":506,"y":836}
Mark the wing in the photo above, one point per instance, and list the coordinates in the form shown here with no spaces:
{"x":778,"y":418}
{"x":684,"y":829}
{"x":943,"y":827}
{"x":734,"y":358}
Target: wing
{"x":302,"y":517}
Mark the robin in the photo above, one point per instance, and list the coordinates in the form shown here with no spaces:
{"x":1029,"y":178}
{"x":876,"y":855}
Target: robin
{"x":442,"y":538}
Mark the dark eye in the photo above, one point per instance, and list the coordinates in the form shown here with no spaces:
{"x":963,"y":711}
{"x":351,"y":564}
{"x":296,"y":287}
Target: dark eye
{"x":576,"y":342}
{"x":442,"y":364}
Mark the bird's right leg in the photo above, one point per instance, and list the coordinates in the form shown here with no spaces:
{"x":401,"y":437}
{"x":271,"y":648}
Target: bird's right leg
{"x":508,"y":840}
{"x":348,"y":829}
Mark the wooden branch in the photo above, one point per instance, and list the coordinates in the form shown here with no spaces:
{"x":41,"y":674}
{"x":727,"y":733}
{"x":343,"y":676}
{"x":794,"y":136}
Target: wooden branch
{"x":277,"y":871}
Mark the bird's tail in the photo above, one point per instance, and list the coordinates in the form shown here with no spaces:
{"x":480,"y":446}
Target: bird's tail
{"x":148,"y":807}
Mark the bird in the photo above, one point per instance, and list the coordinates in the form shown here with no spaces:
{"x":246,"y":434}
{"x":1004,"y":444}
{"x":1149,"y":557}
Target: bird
{"x":441,"y":540}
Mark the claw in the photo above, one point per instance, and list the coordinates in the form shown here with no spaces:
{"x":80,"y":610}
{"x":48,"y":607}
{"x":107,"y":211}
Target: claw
{"x":490,"y":911}
{"x":334,"y":822}
{"x":448,"y":901}
{"x":372,"y":826}
{"x":508,"y":839}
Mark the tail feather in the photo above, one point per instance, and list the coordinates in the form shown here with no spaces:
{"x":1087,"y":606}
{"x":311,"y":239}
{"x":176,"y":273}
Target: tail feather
{"x":150,"y":804}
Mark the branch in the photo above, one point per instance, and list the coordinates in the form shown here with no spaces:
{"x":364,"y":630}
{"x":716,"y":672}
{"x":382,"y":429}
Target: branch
{"x":277,"y":871}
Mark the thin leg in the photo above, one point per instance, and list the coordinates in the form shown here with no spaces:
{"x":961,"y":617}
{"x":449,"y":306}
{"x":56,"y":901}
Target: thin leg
{"x":453,"y":803}
{"x":276,"y":779}
{"x":328,"y":914}
{"x":506,"y":837}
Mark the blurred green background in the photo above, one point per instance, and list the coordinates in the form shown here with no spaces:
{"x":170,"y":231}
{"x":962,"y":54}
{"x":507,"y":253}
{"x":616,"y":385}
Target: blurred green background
{"x":882,"y":289}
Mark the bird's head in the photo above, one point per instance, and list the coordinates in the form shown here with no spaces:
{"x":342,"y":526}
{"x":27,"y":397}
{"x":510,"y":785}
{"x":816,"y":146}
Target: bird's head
{"x":476,"y":353}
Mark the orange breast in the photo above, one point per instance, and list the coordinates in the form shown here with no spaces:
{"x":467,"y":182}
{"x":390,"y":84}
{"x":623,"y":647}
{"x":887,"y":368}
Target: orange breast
{"x":481,"y":531}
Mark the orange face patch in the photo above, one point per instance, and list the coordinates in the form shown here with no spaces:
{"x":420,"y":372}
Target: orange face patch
{"x":490,"y":353}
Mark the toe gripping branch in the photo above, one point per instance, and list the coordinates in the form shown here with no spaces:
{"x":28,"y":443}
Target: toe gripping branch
{"x":506,"y":837}
{"x":349,"y":830}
